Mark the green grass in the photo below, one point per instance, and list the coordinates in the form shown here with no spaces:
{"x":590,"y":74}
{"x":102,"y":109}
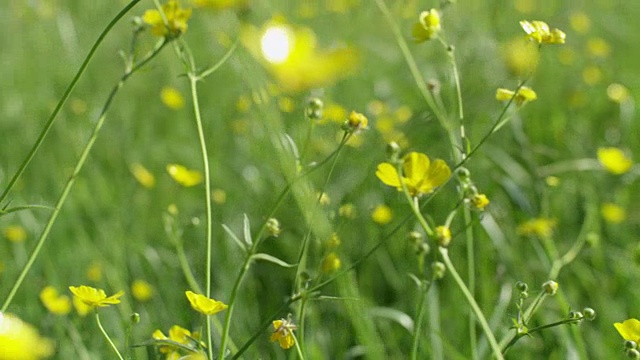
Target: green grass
{"x":111,"y":220}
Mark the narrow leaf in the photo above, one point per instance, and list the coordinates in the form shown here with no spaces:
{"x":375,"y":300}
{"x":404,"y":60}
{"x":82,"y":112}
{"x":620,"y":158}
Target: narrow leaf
{"x":272,"y":259}
{"x":234,"y":237}
{"x":247,"y":230}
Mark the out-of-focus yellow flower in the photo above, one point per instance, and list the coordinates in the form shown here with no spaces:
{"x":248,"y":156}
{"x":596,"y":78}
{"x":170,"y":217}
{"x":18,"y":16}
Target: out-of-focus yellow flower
{"x":598,"y":47}
{"x":618,"y":93}
{"x":592,"y":75}
{"x":420,"y":175}
{"x":334,"y":112}
{"x":348,"y":211}
{"x":142,"y":175}
{"x":141,"y":290}
{"x":357,"y":121}
{"x":21,"y":341}
{"x":521,"y":56}
{"x":541,"y":227}
{"x":541,"y":33}
{"x":81,"y":308}
{"x":177,"y":334}
{"x":330,"y":263}
{"x":94,"y":272}
{"x":629,"y":329}
{"x":613,"y":213}
{"x":54,"y":302}
{"x":203,"y":304}
{"x":334,"y":241}
{"x":403,"y":114}
{"x":184,"y":176}
{"x":427,"y":27}
{"x":286,"y":104}
{"x":443,"y":235}
{"x":480,"y":201}
{"x":176,"y":17}
{"x":552,"y":181}
{"x":290,"y":54}
{"x":222,"y":4}
{"x":283,"y":333}
{"x":172,"y":98}
{"x":525,"y":6}
{"x":15,"y":233}
{"x":580,"y":22}
{"x":382,"y":214}
{"x":614,"y":160}
{"x":95,"y":297}
{"x":524,"y":95}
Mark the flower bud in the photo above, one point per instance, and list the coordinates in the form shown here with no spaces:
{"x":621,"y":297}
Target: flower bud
{"x":630,"y":344}
{"x":134,"y":318}
{"x":550,"y":287}
{"x":522,"y":286}
{"x":575,"y":315}
{"x":314,"y":109}
{"x":273,"y":227}
{"x":589,"y":313}
{"x":443,"y":234}
{"x":439,"y":269}
{"x":633,"y":354}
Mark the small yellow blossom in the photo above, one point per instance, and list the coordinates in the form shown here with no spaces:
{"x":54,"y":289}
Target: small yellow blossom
{"x":443,"y":235}
{"x":142,"y":175}
{"x":521,"y":56}
{"x":614,"y":160}
{"x":427,"y":27}
{"x":330,"y":263}
{"x":356,"y":121}
{"x":580,"y":22}
{"x":21,"y":341}
{"x":141,"y":290}
{"x":272,"y":226}
{"x":172,"y":98}
{"x":542,"y":227}
{"x":176,"y":17}
{"x":204,"y":305}
{"x":541,"y":33}
{"x":54,"y":302}
{"x":524,"y":95}
{"x":480,"y":201}
{"x":618,"y":93}
{"x":15,"y":233}
{"x":283,"y":333}
{"x":177,"y":334}
{"x":184,"y":176}
{"x":81,"y":308}
{"x":95,"y":297}
{"x":612,"y":213}
{"x":552,"y":181}
{"x":382,"y":214}
{"x":420,"y":175}
{"x":629,"y":329}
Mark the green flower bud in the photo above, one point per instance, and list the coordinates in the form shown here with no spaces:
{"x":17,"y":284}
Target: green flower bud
{"x":550,"y":287}
{"x":273,"y":227}
{"x":633,"y":354}
{"x":589,"y":313}
{"x":314,"y":109}
{"x":422,"y":249}
{"x":415,"y":238}
{"x":522,"y":286}
{"x":630,"y":344}
{"x":439,"y":269}
{"x":575,"y":315}
{"x":134,"y":318}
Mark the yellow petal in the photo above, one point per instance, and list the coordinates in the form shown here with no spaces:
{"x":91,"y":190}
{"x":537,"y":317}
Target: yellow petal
{"x":629,"y":329}
{"x":415,"y":166}
{"x":388,"y":174}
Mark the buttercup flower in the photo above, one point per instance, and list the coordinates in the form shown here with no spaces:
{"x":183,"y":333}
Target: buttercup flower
{"x":172,"y":98}
{"x":54,"y":302}
{"x":480,"y":201}
{"x":142,"y":175}
{"x":283,"y":333}
{"x":176,"y":20}
{"x":523,"y":95}
{"x":540,"y":32}
{"x":81,"y":308}
{"x":420,"y":175}
{"x":382,"y":214}
{"x":204,"y":305}
{"x":141,"y":290}
{"x":14,"y":233}
{"x":629,"y":329}
{"x":612,"y":213}
{"x":542,"y":227}
{"x":443,"y":235}
{"x":95,"y":297}
{"x":177,"y":334}
{"x":356,"y":121}
{"x":184,"y":176}
{"x":427,"y":27}
{"x":330,"y":263}
{"x":21,"y":341}
{"x":614,"y":160}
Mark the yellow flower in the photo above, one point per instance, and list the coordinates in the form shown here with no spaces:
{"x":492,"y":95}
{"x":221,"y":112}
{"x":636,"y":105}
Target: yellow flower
{"x":427,"y":27}
{"x":420,"y":175}
{"x":81,"y":308}
{"x":612,"y":213}
{"x":480,"y":201}
{"x":21,"y":341}
{"x":292,"y":56}
{"x":283,"y":333}
{"x":540,"y":32}
{"x":443,"y":235}
{"x":618,"y":93}
{"x":521,"y":56}
{"x":95,"y":297}
{"x":15,"y":233}
{"x":382,"y":214}
{"x":222,"y":4}
{"x":614,"y":160}
{"x":54,"y":302}
{"x":203,"y":304}
{"x":176,"y":20}
{"x":330,"y":263}
{"x":177,"y":334}
{"x":184,"y":176}
{"x":524,"y":94}
{"x":172,"y":98}
{"x":542,"y":227}
{"x":142,"y":175}
{"x":141,"y":290}
{"x":629,"y":329}
{"x":357,"y":121}
{"x":598,"y":47}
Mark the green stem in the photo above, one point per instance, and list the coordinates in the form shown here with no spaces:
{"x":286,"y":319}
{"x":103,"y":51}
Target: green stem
{"x":424,"y":289}
{"x":106,"y":336}
{"x":298,"y":349}
{"x":64,"y":98}
{"x":472,"y":303}
{"x":471,"y":274}
{"x":76,"y":171}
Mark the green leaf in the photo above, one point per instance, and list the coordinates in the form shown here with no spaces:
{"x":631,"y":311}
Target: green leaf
{"x":272,"y":259}
{"x":234,"y":237}
{"x":247,"y":230}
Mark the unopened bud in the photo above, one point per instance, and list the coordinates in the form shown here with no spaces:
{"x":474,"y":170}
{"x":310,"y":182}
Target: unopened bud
{"x":273,"y":227}
{"x":550,"y":287}
{"x":589,"y":313}
{"x":314,"y":109}
{"x":439,"y":269}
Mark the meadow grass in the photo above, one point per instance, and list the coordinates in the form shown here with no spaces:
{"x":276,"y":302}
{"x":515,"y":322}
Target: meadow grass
{"x":265,"y":192}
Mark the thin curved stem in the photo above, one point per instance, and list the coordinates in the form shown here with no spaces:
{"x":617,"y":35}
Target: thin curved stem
{"x":63,"y":99}
{"x":106,"y":336}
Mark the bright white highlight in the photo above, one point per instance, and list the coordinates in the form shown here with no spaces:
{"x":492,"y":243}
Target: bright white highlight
{"x":275,"y":44}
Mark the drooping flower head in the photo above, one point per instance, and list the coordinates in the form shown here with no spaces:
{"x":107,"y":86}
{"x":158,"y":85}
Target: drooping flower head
{"x":283,"y":333}
{"x":205,"y":305}
{"x":21,"y":341}
{"x":95,"y":297}
{"x":420,"y":175}
{"x":541,"y":33}
{"x":176,"y":18}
